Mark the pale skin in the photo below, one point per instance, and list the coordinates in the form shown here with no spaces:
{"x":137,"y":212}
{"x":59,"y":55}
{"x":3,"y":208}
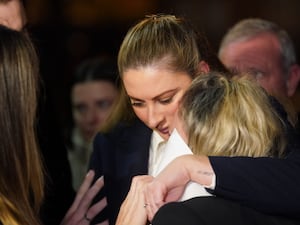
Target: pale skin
{"x":155,"y":95}
{"x":261,"y":57}
{"x":12,"y":15}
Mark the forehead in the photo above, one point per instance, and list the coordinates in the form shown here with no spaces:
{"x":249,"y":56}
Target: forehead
{"x":93,"y":89}
{"x":261,"y":50}
{"x":149,"y":82}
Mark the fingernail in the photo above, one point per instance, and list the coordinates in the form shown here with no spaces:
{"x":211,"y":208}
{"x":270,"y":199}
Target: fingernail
{"x":90,"y":172}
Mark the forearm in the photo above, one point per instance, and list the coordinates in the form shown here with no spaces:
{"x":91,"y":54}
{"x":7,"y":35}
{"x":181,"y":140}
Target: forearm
{"x":199,"y":169}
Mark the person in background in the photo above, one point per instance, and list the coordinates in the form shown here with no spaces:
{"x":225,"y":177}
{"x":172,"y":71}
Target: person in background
{"x":93,"y":92}
{"x":265,"y":50}
{"x":21,"y":170}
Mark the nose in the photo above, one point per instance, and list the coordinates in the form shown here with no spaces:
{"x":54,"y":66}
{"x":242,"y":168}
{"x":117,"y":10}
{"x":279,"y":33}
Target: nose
{"x":154,"y":117}
{"x":92,"y":117}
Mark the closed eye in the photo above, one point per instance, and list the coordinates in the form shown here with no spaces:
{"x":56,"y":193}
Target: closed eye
{"x":136,"y":103}
{"x":166,"y":101}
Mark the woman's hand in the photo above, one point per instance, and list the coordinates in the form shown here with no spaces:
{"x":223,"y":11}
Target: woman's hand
{"x":133,"y":209}
{"x":80,"y":212}
{"x":170,"y":183}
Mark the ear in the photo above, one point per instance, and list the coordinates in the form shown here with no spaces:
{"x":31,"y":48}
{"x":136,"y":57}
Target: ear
{"x":293,"y":80}
{"x":203,"y":67}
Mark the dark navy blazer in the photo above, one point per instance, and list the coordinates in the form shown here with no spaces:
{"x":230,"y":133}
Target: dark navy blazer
{"x":119,"y":156}
{"x":270,"y":185}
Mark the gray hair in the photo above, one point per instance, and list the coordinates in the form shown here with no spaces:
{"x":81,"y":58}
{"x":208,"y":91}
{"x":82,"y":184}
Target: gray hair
{"x":251,"y":27}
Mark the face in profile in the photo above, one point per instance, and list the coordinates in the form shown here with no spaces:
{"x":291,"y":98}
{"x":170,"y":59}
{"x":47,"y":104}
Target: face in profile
{"x":91,"y":104}
{"x":180,"y":126}
{"x":259,"y":56}
{"x":155,"y":93}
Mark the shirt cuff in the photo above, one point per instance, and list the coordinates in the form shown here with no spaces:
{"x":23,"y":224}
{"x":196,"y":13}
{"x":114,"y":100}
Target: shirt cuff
{"x":212,"y":186}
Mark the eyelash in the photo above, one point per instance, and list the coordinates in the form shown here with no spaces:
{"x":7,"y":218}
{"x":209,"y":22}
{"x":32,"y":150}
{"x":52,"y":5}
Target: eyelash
{"x":162,"y":101}
{"x":166,"y":101}
{"x":136,"y":104}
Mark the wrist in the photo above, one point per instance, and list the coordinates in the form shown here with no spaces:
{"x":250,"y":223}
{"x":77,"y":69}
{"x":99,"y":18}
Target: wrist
{"x":199,"y":170}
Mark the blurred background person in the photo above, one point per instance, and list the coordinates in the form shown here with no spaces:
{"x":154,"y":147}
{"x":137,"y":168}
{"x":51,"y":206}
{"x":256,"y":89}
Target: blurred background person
{"x":265,"y":50}
{"x":93,"y":91}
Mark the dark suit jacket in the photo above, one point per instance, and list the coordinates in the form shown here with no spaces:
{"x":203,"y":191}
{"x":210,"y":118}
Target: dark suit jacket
{"x":270,"y":185}
{"x":119,"y":156}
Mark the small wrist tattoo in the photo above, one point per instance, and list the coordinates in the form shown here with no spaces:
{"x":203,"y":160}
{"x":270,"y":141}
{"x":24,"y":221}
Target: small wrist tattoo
{"x":206,"y":173}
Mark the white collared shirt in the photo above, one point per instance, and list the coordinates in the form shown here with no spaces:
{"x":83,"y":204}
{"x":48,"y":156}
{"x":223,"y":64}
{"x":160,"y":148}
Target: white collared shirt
{"x":162,"y":152}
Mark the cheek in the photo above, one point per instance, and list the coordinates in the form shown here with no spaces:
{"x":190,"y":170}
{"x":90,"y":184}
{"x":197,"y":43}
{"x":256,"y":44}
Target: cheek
{"x":171,"y":111}
{"x":141,"y":114}
{"x":78,"y":118}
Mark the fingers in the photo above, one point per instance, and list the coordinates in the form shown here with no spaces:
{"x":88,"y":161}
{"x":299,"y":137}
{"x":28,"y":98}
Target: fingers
{"x":154,"y":197}
{"x":139,"y":182}
{"x":80,"y":213}
{"x":82,"y":190}
{"x":132,"y":210}
{"x":89,"y":195}
{"x":96,"y":208}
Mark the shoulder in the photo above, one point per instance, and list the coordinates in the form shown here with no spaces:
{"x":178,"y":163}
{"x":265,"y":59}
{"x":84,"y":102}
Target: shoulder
{"x":135,"y":128}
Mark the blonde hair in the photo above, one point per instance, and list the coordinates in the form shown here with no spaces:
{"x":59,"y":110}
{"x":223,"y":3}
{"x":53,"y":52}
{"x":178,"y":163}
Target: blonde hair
{"x":231,"y":117}
{"x":21,"y":173}
{"x":160,"y":40}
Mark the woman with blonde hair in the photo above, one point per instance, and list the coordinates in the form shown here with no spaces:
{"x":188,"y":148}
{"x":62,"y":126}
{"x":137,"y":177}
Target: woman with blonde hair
{"x":231,"y":117}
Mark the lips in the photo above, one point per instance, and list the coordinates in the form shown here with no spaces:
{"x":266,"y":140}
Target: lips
{"x":164,"y":130}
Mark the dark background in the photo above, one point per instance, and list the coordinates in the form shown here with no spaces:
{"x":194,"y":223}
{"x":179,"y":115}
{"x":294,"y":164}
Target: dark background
{"x":68,"y":31}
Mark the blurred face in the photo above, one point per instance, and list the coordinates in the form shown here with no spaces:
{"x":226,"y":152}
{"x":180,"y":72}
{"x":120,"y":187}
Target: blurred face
{"x":260,"y":56}
{"x":155,"y":94}
{"x":12,"y":15}
{"x":92,"y":102}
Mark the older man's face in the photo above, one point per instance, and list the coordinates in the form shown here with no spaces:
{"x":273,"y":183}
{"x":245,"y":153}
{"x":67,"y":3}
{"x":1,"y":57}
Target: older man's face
{"x":259,"y":56}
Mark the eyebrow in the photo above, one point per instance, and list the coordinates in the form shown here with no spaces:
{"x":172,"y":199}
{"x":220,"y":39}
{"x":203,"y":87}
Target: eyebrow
{"x":156,"y":97}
